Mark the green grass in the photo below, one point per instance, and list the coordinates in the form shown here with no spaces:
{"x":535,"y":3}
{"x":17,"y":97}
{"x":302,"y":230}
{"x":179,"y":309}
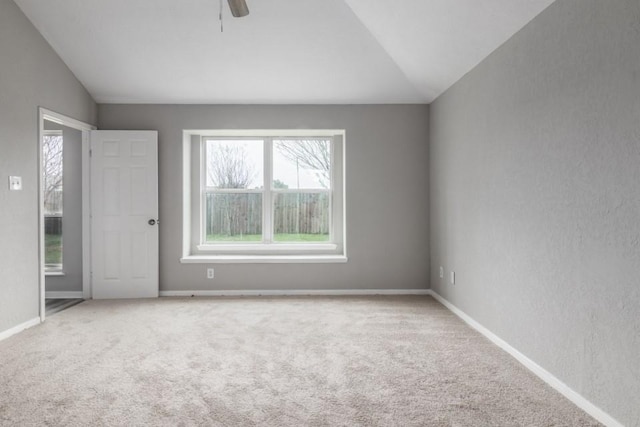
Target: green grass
{"x":52,"y":249}
{"x":280,"y":238}
{"x":301,"y":237}
{"x":236,"y":238}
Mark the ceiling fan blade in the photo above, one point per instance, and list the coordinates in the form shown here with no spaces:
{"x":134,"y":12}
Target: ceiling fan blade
{"x":238,"y":8}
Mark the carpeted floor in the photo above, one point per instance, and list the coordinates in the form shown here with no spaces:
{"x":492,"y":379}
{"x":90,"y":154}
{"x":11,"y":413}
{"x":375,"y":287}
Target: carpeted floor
{"x":292,"y":361}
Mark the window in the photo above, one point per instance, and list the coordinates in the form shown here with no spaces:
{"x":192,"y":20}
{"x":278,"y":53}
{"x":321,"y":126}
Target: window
{"x":264,"y":196}
{"x":52,"y":167}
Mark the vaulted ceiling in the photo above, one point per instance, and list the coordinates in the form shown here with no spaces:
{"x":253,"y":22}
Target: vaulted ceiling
{"x":284,"y":52}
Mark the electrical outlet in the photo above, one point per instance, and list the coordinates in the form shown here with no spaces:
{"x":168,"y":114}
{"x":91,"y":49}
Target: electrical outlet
{"x":441,"y":272}
{"x":210,"y":274}
{"x":453,"y":277}
{"x":15,"y":183}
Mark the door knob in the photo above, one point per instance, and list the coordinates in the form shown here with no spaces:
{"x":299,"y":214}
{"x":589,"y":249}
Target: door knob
{"x":152,"y":222}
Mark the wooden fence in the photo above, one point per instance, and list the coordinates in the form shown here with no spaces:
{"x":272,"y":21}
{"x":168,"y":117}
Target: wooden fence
{"x":241,"y":214}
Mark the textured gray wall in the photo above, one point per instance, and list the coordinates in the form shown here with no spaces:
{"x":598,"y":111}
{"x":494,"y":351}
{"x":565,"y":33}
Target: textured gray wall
{"x":535,"y":196}
{"x":31,"y":75}
{"x":72,"y":212}
{"x":386,"y":182}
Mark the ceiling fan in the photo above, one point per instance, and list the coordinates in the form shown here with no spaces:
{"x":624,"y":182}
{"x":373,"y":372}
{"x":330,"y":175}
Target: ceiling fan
{"x":238,"y":8}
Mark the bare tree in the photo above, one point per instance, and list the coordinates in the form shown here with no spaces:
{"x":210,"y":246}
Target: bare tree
{"x":227,"y":167}
{"x":52,"y":157}
{"x":311,"y":154}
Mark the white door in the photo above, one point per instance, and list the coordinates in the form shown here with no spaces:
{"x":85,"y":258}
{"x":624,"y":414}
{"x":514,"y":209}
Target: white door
{"x":124,"y":214}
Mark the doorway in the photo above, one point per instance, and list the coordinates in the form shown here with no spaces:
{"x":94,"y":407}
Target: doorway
{"x":63,"y":175}
{"x":62,"y":209}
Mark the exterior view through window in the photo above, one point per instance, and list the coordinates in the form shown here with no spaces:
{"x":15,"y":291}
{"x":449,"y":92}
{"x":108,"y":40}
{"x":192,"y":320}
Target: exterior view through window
{"x":52,"y":162}
{"x":267,"y":190}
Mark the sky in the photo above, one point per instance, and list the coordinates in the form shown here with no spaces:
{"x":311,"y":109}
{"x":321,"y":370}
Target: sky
{"x":284,"y":169}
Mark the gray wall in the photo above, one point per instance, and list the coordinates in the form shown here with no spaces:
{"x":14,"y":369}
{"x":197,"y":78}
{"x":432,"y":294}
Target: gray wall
{"x":535,"y":196}
{"x":386,"y":183}
{"x":72,"y":212}
{"x":31,"y":75}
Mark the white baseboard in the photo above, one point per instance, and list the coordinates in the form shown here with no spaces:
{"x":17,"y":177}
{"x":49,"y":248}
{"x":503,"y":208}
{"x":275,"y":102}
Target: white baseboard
{"x":21,"y":327}
{"x":538,"y":370}
{"x":63,"y":294}
{"x":319,"y":292}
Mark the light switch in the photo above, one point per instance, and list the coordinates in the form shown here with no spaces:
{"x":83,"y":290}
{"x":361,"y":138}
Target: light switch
{"x":15,"y":183}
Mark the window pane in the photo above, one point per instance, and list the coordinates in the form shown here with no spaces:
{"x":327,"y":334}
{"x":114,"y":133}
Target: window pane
{"x":52,"y":166}
{"x":301,"y":217}
{"x":233,"y":217}
{"x":53,"y":242}
{"x":302,"y":163}
{"x":234,"y":164}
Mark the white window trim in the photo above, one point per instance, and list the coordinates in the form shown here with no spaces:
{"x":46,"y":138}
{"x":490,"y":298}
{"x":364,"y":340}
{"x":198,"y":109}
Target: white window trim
{"x":52,"y":132}
{"x":264,"y":252}
{"x":54,"y":273}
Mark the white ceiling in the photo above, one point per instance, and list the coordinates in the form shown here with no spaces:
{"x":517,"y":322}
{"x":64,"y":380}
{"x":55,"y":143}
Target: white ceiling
{"x":284,"y":52}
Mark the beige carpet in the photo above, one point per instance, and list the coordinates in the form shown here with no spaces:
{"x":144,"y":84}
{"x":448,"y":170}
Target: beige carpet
{"x":303,"y":361}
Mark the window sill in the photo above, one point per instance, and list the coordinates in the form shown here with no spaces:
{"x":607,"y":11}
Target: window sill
{"x":263,"y":259}
{"x":54,"y":273}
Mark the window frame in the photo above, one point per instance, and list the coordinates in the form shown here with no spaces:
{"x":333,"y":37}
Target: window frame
{"x":195,"y":247}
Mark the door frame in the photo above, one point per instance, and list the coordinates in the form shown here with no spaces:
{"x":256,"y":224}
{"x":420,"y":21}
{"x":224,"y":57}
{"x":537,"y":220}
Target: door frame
{"x":85,"y":128}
